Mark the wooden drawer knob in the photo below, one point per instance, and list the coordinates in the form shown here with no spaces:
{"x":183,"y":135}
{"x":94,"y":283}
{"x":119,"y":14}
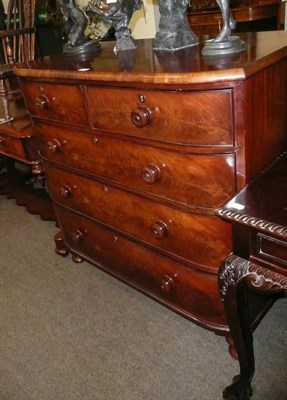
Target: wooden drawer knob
{"x":141,"y":116}
{"x":42,"y":103}
{"x":166,"y":284}
{"x":159,"y":230}
{"x":53,"y":146}
{"x":151,"y":174}
{"x":77,"y":236}
{"x":65,"y":191}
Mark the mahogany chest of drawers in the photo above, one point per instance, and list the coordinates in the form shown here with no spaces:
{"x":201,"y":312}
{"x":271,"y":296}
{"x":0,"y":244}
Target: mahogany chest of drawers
{"x":141,"y":148}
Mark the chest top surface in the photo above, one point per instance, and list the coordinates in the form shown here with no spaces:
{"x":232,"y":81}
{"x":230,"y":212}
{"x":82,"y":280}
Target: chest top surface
{"x":144,"y":65}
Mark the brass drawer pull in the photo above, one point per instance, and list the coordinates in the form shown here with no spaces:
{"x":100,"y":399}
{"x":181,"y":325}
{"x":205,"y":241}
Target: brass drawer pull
{"x":65,"y":191}
{"x":151,"y":174}
{"x":159,"y":230}
{"x":42,"y":103}
{"x":141,"y":116}
{"x":166,"y":284}
{"x":54,"y":146}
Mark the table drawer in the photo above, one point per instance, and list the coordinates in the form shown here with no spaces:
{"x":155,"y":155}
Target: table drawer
{"x":180,"y":288}
{"x":56,"y":102}
{"x":191,"y":180}
{"x":200,"y":118}
{"x":193,"y":239}
{"x":270,"y":250}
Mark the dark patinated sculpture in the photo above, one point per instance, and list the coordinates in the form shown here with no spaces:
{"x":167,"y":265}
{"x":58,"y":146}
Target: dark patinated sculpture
{"x":118,"y":16}
{"x":75,"y":24}
{"x":174,"y":30}
{"x":224,"y":43}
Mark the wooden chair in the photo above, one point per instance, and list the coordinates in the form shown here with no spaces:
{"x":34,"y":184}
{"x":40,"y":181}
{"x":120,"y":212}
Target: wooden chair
{"x":17,"y":139}
{"x":17,"y":45}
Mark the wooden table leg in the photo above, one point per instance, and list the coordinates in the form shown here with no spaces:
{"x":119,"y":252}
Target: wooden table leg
{"x":236,"y":277}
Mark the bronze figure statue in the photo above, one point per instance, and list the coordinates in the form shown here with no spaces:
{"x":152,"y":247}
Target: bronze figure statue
{"x":224,"y":43}
{"x":228,"y":21}
{"x":118,"y":16}
{"x":174,"y":29}
{"x":75,"y":24}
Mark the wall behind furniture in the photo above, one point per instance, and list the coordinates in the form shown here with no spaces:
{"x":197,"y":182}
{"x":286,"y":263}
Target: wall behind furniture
{"x":144,"y":23}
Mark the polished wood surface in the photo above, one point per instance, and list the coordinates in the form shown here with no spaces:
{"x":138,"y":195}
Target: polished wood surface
{"x":259,"y":264}
{"x":145,"y":66}
{"x":141,"y":148}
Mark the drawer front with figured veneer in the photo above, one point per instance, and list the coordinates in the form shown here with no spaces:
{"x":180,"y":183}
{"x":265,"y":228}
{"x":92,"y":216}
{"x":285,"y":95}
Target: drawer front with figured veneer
{"x":199,"y":118}
{"x":56,"y":102}
{"x":191,"y":180}
{"x":199,"y":241}
{"x":190,"y":293}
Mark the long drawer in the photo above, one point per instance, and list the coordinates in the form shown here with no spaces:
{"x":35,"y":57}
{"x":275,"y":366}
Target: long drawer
{"x":200,"y":118}
{"x":190,"y":293}
{"x":200,"y":241}
{"x":192,"y":180}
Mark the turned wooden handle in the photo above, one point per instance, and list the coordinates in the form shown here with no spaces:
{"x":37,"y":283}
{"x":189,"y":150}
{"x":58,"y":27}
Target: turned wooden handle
{"x":151,"y":174}
{"x":42,"y":103}
{"x":166,"y":284}
{"x":65,"y":191}
{"x":77,"y":236}
{"x":159,"y":230}
{"x":53,"y":146}
{"x":141,"y":116}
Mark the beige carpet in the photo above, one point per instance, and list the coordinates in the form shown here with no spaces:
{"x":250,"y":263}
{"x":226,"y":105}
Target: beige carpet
{"x":70,"y":332}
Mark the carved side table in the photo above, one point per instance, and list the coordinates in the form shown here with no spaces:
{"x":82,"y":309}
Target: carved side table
{"x":259,"y":263}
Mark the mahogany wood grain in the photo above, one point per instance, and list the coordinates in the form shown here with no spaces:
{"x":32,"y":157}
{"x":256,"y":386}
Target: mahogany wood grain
{"x":194,"y":240}
{"x":193,"y":188}
{"x":141,"y":150}
{"x":193,"y":292}
{"x":147,"y":67}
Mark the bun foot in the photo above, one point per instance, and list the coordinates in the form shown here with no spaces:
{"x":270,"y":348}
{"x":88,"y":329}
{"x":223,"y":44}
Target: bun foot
{"x":77,"y":259}
{"x":61,"y":249}
{"x":238,"y":390}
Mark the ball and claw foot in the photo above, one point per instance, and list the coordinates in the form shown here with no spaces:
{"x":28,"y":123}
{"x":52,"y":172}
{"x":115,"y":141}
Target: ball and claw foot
{"x":238,"y":390}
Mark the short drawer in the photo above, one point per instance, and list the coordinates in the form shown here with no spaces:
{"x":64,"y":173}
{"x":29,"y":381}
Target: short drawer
{"x":270,"y":250}
{"x":200,"y":118}
{"x":56,"y":102}
{"x":204,"y":181}
{"x":200,"y":241}
{"x":191,"y":293}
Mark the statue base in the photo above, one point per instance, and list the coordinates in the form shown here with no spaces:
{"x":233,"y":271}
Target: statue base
{"x":231,"y":46}
{"x":174,"y":34}
{"x":89,"y":46}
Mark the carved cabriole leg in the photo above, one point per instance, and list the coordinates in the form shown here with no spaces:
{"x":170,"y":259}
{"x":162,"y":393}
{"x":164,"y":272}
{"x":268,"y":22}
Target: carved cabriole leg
{"x":236,"y":277}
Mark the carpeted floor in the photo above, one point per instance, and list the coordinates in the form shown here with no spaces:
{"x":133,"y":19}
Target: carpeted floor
{"x":71,"y":332}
